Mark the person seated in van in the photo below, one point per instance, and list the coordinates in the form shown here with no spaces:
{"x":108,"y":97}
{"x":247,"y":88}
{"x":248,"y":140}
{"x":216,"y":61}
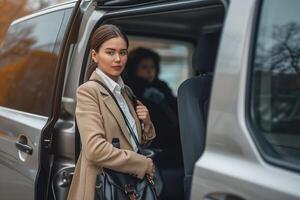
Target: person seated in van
{"x":142,"y":75}
{"x":143,"y":67}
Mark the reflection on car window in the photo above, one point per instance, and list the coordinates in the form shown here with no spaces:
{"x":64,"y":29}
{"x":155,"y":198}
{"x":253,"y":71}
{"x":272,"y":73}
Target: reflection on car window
{"x":28,"y":64}
{"x":275,"y":95}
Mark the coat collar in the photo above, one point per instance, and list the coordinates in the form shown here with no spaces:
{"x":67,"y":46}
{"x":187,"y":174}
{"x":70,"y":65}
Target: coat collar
{"x":111,"y":105}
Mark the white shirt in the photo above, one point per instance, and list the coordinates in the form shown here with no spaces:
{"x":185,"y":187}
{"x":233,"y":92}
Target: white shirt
{"x":115,"y":88}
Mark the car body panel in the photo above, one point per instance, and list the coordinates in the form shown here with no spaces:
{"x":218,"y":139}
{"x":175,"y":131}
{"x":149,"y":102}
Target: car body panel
{"x":19,"y":169}
{"x":231,"y":163}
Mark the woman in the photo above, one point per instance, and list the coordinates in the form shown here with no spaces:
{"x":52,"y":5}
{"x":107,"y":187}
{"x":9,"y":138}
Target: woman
{"x":99,"y":120}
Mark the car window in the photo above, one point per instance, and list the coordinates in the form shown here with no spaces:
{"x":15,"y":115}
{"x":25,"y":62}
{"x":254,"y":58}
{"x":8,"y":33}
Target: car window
{"x":275,"y":81}
{"x":28,"y":63}
{"x":174,"y":64}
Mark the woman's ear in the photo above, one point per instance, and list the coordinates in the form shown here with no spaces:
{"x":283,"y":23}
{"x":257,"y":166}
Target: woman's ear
{"x":94,"y":56}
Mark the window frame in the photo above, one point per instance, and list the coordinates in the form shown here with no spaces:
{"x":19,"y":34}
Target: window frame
{"x":254,"y":131}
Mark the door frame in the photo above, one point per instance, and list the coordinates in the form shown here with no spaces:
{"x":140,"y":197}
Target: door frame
{"x":42,"y":190}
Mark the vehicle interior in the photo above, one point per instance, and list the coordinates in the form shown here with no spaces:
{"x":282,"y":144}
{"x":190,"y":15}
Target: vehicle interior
{"x":197,"y":30}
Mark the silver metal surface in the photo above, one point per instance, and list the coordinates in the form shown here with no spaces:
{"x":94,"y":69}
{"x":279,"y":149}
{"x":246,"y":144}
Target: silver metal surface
{"x":231,"y":163}
{"x":18,"y":170}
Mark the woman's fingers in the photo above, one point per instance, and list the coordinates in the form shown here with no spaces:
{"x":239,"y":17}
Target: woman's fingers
{"x":141,"y":108}
{"x":150,"y":168}
{"x":140,"y":105}
{"x":142,"y":112}
{"x":142,"y":117}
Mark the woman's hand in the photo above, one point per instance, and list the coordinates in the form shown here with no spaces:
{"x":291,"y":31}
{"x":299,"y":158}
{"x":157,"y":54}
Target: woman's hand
{"x":143,"y":113}
{"x":150,"y":169}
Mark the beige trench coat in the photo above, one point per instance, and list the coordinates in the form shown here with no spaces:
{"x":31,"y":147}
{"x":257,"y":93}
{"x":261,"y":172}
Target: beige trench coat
{"x":99,"y":121}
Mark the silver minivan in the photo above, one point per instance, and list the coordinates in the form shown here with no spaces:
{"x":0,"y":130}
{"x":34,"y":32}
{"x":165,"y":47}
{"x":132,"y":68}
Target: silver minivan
{"x":234,"y":67}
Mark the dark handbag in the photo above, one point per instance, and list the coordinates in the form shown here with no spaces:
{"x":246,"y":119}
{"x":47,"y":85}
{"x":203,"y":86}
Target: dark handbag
{"x":113,"y":185}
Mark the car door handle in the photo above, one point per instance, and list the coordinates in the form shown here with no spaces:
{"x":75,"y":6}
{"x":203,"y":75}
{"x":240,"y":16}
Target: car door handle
{"x":24,"y":147}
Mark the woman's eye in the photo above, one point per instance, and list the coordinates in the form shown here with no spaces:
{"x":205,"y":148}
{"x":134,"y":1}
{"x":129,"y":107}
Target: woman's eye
{"x":123,"y":53}
{"x":110,"y":53}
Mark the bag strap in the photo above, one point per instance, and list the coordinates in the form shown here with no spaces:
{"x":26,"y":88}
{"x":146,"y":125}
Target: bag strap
{"x":132,"y":96}
{"x":124,"y":116}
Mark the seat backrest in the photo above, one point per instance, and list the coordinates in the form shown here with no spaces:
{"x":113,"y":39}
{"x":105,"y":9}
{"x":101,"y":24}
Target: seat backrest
{"x":193,"y":101}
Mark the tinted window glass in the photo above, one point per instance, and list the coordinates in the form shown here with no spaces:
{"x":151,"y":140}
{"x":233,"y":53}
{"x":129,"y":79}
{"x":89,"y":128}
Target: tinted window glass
{"x":275,"y":98}
{"x":28,"y":64}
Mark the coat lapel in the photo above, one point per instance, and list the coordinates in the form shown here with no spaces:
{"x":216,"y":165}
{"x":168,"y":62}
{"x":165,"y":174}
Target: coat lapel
{"x":112,"y":107}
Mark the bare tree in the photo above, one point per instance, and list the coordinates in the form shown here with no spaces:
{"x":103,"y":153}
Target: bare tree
{"x":283,"y":55}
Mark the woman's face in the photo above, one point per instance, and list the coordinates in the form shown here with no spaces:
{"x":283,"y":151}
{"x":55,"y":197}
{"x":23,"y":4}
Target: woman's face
{"x":146,"y":69}
{"x":111,"y":57}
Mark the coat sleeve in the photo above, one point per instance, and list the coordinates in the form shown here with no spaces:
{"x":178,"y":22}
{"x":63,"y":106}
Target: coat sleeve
{"x":148,"y":134}
{"x":95,"y":147}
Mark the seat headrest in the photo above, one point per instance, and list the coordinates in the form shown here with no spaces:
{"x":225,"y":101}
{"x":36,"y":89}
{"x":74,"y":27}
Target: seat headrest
{"x":205,"y":53}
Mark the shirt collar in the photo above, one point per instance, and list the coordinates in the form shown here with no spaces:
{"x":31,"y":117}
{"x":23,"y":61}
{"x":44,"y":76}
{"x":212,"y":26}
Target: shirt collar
{"x":111,"y":84}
